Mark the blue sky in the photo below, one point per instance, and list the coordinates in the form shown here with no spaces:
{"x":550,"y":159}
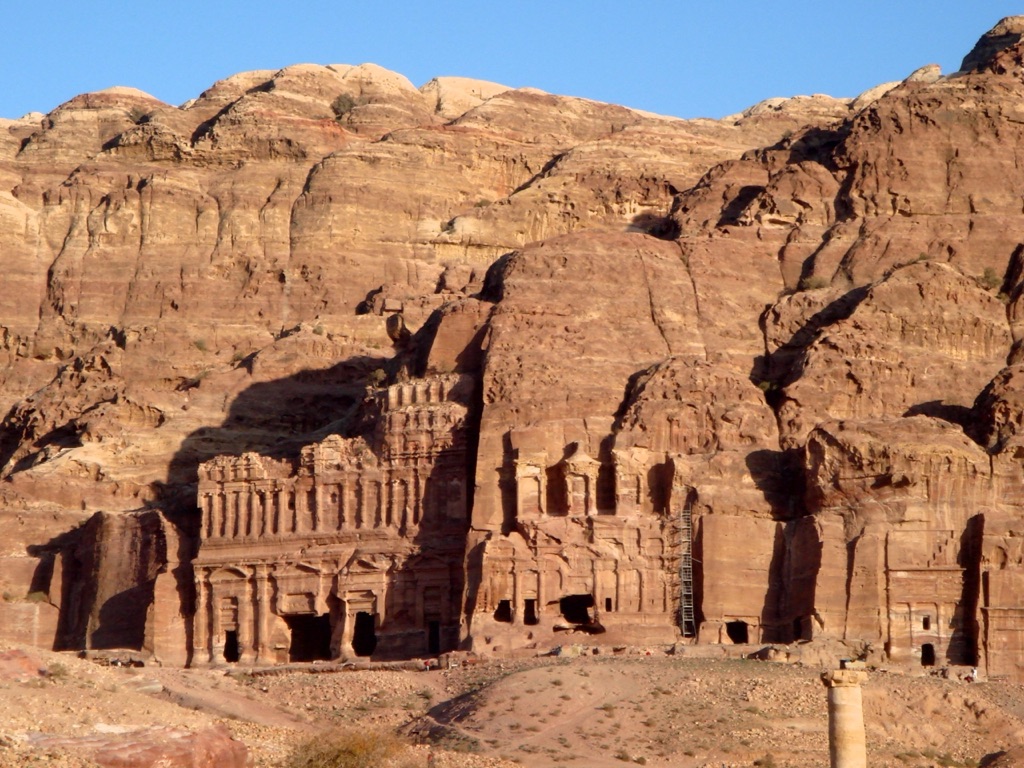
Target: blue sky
{"x":687,"y":58}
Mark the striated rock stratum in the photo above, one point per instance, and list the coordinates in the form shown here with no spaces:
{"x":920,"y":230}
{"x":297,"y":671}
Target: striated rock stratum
{"x":323,"y":365}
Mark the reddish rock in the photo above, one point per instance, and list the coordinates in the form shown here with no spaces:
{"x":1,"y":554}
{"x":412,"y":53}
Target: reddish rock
{"x":19,"y":667}
{"x":155,"y":747}
{"x":472,"y":365}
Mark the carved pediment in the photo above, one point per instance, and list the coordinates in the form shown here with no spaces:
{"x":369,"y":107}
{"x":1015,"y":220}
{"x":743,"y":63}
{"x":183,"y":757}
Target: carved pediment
{"x":228,"y":573}
{"x":367,"y":563}
{"x":297,"y":569}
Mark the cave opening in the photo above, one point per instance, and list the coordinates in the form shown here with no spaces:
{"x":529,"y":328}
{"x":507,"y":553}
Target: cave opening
{"x":503,"y":612}
{"x":576,"y":608}
{"x":433,"y":636}
{"x":311,"y":637}
{"x":364,"y":634}
{"x":738,"y":632}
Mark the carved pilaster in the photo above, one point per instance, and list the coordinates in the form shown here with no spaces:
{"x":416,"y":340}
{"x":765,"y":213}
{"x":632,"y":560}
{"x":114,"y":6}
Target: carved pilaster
{"x":201,"y":621}
{"x":262,"y":608}
{"x":246,"y":620}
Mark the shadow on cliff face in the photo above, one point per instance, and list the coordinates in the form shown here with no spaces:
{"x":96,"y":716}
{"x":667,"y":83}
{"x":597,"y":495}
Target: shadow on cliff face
{"x":779,"y":476}
{"x":818,"y":145}
{"x":661,"y":227}
{"x":782,"y":367}
{"x":958,"y":415}
{"x":109,"y":566}
{"x":273,"y":418}
{"x":107,"y":571}
{"x":279,"y":418}
{"x":963,"y":644}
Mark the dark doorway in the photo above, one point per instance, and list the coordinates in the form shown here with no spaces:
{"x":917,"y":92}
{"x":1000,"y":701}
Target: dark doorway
{"x":503,"y":612}
{"x":433,"y":637}
{"x":926,"y":622}
{"x":738,"y":632}
{"x":530,"y":612}
{"x":232,"y":652}
{"x":927,"y":655}
{"x":608,"y":605}
{"x":576,"y":608}
{"x":798,"y":629}
{"x":364,"y":635}
{"x":311,"y":637}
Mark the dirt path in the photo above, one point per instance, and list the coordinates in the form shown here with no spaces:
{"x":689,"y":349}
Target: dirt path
{"x":597,"y":712}
{"x":222,"y":697}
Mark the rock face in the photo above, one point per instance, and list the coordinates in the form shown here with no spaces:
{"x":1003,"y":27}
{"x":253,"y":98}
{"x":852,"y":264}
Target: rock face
{"x":152,"y":747}
{"x":475,"y":367}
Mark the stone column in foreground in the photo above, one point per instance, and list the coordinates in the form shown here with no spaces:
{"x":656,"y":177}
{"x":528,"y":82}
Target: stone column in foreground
{"x":847,"y":745}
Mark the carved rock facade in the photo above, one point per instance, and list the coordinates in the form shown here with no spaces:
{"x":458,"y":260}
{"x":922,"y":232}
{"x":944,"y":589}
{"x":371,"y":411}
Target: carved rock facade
{"x":355,"y":550}
{"x":789,"y":403}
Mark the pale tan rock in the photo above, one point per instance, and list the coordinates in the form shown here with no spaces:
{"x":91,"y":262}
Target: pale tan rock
{"x":930,"y":73}
{"x":871,"y":95}
{"x":454,"y":96}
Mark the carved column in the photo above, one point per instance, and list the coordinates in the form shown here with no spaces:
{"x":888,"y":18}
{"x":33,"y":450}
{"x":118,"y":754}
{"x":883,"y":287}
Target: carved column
{"x":417,"y":501}
{"x":248,"y":498}
{"x":262,"y":500}
{"x":371,"y":506}
{"x":318,"y":506}
{"x":619,"y":605}
{"x":301,"y":512}
{"x":847,"y":745}
{"x":404,"y":521}
{"x":387,"y":500}
{"x":232,"y":515}
{"x":263,"y":654}
{"x":227,"y":521}
{"x":246,"y":639}
{"x":206,"y":504}
{"x":201,"y":621}
{"x":220,"y":507}
{"x":359,"y":516}
{"x":517,"y":590}
{"x":216,"y":632}
{"x":592,"y":493}
{"x":279,"y":511}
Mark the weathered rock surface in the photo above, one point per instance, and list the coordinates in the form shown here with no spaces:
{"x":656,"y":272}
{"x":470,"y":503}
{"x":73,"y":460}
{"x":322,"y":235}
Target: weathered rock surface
{"x":153,"y":748}
{"x":925,"y":339}
{"x":788,"y":330}
{"x":1006,"y":34}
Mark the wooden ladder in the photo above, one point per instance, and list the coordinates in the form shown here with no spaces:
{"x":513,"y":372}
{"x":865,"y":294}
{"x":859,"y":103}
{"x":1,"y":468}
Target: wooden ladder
{"x":687,"y":622}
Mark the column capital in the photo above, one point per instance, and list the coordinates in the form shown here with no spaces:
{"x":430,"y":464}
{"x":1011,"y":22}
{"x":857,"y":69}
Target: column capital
{"x":843,"y":678}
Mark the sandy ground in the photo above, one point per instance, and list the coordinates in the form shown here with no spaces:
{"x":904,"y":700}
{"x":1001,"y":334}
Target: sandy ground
{"x":592,"y":711}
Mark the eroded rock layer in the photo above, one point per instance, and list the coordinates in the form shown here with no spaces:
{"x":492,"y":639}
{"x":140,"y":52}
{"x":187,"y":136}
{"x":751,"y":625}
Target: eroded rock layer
{"x":468,"y":366}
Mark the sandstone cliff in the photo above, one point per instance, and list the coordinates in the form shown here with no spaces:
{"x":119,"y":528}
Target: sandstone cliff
{"x":794,"y":322}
